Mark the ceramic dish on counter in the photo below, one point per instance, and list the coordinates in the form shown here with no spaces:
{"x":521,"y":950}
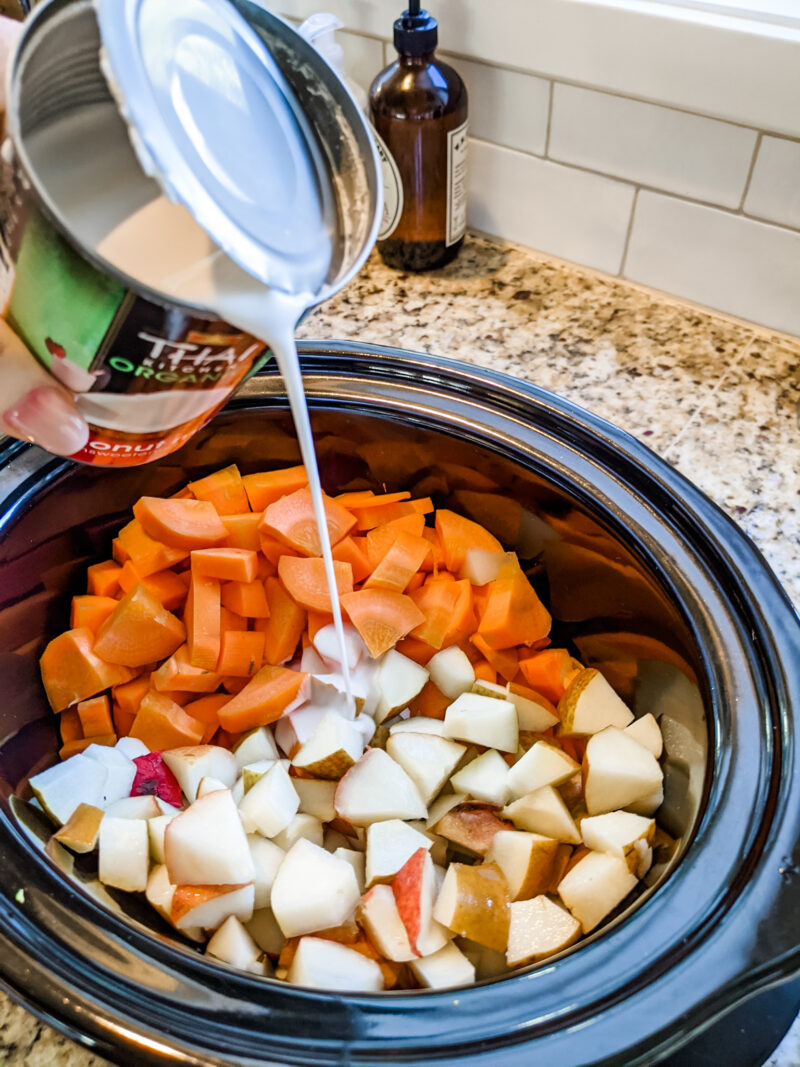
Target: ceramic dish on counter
{"x":644,"y":575}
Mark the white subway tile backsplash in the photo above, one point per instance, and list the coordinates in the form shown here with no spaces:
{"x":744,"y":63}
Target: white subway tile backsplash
{"x":505,"y":107}
{"x":774,"y":191}
{"x":363,"y":57}
{"x":658,"y":146}
{"x":566,"y":212}
{"x":726,"y":261}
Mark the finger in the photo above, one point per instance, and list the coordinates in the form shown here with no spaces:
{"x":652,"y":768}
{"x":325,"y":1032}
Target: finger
{"x":34,"y":407}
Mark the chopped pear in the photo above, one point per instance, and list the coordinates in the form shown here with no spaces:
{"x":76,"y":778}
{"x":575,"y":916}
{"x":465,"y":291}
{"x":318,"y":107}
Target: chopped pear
{"x":543,"y":764}
{"x":445,"y":969}
{"x":485,"y":778}
{"x":123,"y":854}
{"x":539,"y":928}
{"x":534,"y":716}
{"x":527,"y":860}
{"x":294,"y":729}
{"x":80,"y":832}
{"x":473,"y":902}
{"x":440,"y":807}
{"x":451,"y":671}
{"x":590,"y":705}
{"x":208,"y":906}
{"x":316,"y":797}
{"x":648,"y":805}
{"x":417,"y":724}
{"x":195,"y":762}
{"x":427,"y":759}
{"x":482,"y":565}
{"x":618,"y":772}
{"x":313,"y":890}
{"x":595,"y":886}
{"x":267,"y":858}
{"x":307,"y":826}
{"x":334,"y":747}
{"x":648,"y":733}
{"x":378,"y":915}
{"x":483,"y":721}
{"x":326,"y":643}
{"x":231,"y":943}
{"x":264,"y":930}
{"x":543,"y":811}
{"x":377,"y":788}
{"x":390,"y":844}
{"x":121,"y":771}
{"x":320,"y":964}
{"x":620,"y":833}
{"x":471,"y":827}
{"x":62,"y":787}
{"x":156,"y":829}
{"x":206,"y":845}
{"x":272,"y":802}
{"x":416,"y":887}
{"x":209,"y":785}
{"x":489,"y":689}
{"x":400,"y":679}
{"x":143,"y":807}
{"x":251,"y":772}
{"x":256,"y":745}
{"x":487,"y":962}
{"x":132,"y":747}
{"x":357,"y":861}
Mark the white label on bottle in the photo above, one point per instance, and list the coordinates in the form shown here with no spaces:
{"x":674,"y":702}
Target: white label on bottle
{"x":392,"y":189}
{"x":456,"y":184}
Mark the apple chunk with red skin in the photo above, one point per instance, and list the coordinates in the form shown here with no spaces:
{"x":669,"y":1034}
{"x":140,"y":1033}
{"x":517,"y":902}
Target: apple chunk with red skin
{"x":414,"y":889}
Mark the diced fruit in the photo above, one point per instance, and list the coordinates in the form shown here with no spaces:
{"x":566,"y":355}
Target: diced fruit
{"x":258,"y":744}
{"x":313,"y":890}
{"x":305,"y":826}
{"x":320,"y":964}
{"x":233,"y":944}
{"x":208,"y":906}
{"x":121,"y":771}
{"x":427,"y":759}
{"x":63,"y":787}
{"x":334,"y":747}
{"x":527,"y":860}
{"x":357,"y":861}
{"x":209,"y":785}
{"x":390,"y":844}
{"x":265,"y":931}
{"x":316,"y":798}
{"x":379,"y":916}
{"x":543,"y":811}
{"x":471,"y":827}
{"x":417,"y":724}
{"x":377,"y":788}
{"x":535,"y":713}
{"x":618,"y":771}
{"x":451,"y":671}
{"x":79,"y":833}
{"x":595,"y":886}
{"x":415,"y":891}
{"x":400,"y":679}
{"x":267,"y":858}
{"x":144,"y":807}
{"x":647,"y":732}
{"x":190,"y":765}
{"x":590,"y":705}
{"x":131,"y":747}
{"x":156,"y":829}
{"x":206,"y":845}
{"x":444,"y":969}
{"x":271,"y":804}
{"x":474,"y":902}
{"x":484,"y":778}
{"x":539,"y":928}
{"x":482,"y":565}
{"x":483,"y":721}
{"x":621,"y":833}
{"x":123,"y":854}
{"x":155,"y":778}
{"x":543,"y":764}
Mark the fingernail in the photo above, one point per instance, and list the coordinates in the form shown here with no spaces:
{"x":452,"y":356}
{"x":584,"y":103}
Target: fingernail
{"x":48,"y":419}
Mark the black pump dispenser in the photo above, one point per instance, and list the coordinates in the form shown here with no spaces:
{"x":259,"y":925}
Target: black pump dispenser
{"x":416,"y":33}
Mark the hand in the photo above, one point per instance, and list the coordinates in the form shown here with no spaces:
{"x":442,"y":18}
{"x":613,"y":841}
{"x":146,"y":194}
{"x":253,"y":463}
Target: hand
{"x":33,"y":406}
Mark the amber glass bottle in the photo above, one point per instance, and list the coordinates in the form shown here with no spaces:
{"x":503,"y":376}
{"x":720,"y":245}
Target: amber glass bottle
{"x":419,"y":110}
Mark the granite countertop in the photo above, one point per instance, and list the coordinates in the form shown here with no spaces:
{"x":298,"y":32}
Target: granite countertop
{"x":717,"y":398}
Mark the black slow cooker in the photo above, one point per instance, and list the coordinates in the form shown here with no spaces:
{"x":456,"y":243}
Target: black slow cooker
{"x":645,"y":577}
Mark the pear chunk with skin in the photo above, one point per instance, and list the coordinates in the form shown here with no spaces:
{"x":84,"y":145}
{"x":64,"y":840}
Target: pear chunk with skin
{"x":80,"y":832}
{"x":483,"y":721}
{"x":209,"y":785}
{"x":144,"y":807}
{"x":123,"y":854}
{"x":543,"y":764}
{"x":484,"y":778}
{"x":648,"y":733}
{"x":156,"y":830}
{"x":208,"y":906}
{"x":265,"y":931}
{"x":445,"y":969}
{"x":195,"y":762}
{"x":377,"y":788}
{"x":62,"y":787}
{"x":379,"y":916}
{"x":334,"y":746}
{"x":595,"y":886}
{"x":534,"y":715}
{"x":417,"y":724}
{"x":427,"y":759}
{"x":590,"y":705}
{"x":415,"y":889}
{"x":474,"y":902}
{"x":390,"y":844}
{"x":316,"y":797}
{"x":543,"y":811}
{"x":451,"y":671}
{"x":231,"y":943}
{"x":272,"y":802}
{"x":313,"y":890}
{"x":400,"y":679}
{"x":539,"y":928}
{"x":618,"y":771}
{"x":471,"y":827}
{"x":621,"y":833}
{"x":206,"y":845}
{"x":527,"y":860}
{"x":257,"y":745}
{"x":440,"y":807}
{"x":320,"y":964}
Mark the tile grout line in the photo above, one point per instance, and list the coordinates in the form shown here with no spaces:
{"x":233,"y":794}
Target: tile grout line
{"x":549,"y":118}
{"x":628,"y":234}
{"x":751,"y":171}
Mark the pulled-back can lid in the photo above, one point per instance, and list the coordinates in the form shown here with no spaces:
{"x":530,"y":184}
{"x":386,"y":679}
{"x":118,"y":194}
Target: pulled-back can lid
{"x":215,"y":123}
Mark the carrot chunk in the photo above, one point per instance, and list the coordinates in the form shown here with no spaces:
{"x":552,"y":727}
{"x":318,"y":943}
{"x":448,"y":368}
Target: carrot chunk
{"x":202,"y":617}
{"x":266,"y":487}
{"x":400,"y":563}
{"x":227,"y":564}
{"x":206,"y":709}
{"x":365,"y":498}
{"x":547,"y":672}
{"x":514,"y":614}
{"x":430,"y":702}
{"x":223,"y":489}
{"x":242,"y":530}
{"x":266,"y":697}
{"x":140,"y":630}
{"x":284,"y":626}
{"x":291,"y":520}
{"x":102,"y":579}
{"x":241,"y":653}
{"x":505,"y":662}
{"x":272,"y":549}
{"x":419,"y":651}
{"x":316,"y":620}
{"x":147,"y":554}
{"x":90,"y":611}
{"x":369,"y":517}
{"x":447,"y":610}
{"x":231,"y":620}
{"x":246,"y":598}
{"x":123,"y":720}
{"x":305,"y":581}
{"x":458,"y":534}
{"x":353,"y":550}
{"x":484,"y":671}
{"x":381,"y":616}
{"x":165,"y":586}
{"x":95,"y":716}
{"x":380,"y":539}
{"x":180,"y":523}
{"x":178,"y":673}
{"x":72,"y":748}
{"x":70,"y":725}
{"x":129,"y":695}
{"x":71,"y":670}
{"x":161,"y":723}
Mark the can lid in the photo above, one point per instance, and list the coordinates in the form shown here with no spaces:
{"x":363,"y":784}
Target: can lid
{"x":215,"y":123}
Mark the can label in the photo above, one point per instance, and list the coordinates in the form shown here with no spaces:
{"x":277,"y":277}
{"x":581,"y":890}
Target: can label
{"x":146,"y":376}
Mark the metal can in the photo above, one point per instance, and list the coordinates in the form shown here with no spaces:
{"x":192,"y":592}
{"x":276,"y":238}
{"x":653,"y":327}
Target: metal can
{"x":148,"y":372}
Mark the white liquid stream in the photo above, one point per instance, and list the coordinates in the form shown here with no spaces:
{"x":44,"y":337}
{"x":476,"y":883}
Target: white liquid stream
{"x":111,"y":206}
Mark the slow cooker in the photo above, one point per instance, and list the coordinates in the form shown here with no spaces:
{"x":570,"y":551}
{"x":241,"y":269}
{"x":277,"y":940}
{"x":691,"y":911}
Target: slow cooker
{"x":645,"y":577}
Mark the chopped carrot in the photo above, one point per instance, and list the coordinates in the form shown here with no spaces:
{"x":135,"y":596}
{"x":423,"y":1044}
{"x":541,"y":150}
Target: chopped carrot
{"x":242,"y":529}
{"x":95,"y":716}
{"x":574,"y":747}
{"x":123,"y":720}
{"x":118,"y":553}
{"x":234,"y":685}
{"x":531,"y":694}
{"x":227,"y":564}
{"x":505,"y":662}
{"x":206,"y":709}
{"x":400,"y":563}
{"x":484,"y":671}
{"x":430,"y":702}
{"x":365,"y":498}
{"x":241,"y":653}
{"x":202,"y":618}
{"x":180,"y":523}
{"x":434,"y":562}
{"x":90,"y":611}
{"x":381,"y":617}
{"x":102,"y":579}
{"x":369,"y":517}
{"x":448,"y":615}
{"x":380,"y":539}
{"x":166,"y":586}
{"x":147,"y":554}
{"x":514,"y":614}
{"x":284,"y":626}
{"x":272,"y":549}
{"x":547,"y":672}
{"x":415,"y":581}
{"x":316,"y":620}
{"x":353,"y":550}
{"x":177,"y":673}
{"x":265,"y":569}
{"x":458,"y":534}
{"x":140,"y":630}
{"x":266,"y":487}
{"x":129,"y":695}
{"x":71,"y":671}
{"x":246,"y":598}
{"x":291,"y":520}
{"x":70,"y":725}
{"x":72,"y":748}
{"x":440,"y":576}
{"x":231,"y":620}
{"x":305,"y":581}
{"x":419,"y":651}
{"x":161,"y":723}
{"x":223,"y":489}
{"x":267,"y":696}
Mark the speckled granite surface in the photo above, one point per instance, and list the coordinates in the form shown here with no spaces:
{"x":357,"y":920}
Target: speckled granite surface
{"x":717,"y":398}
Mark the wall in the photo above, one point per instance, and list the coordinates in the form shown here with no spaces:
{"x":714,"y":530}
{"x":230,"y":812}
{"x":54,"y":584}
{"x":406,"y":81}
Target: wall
{"x":599,"y":156}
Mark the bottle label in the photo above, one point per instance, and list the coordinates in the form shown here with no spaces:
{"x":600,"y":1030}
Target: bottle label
{"x":456,"y":184}
{"x":392,"y":189}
